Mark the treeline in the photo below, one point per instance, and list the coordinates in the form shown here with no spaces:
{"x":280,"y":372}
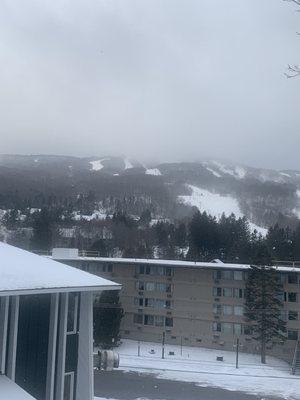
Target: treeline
{"x":196,"y":238}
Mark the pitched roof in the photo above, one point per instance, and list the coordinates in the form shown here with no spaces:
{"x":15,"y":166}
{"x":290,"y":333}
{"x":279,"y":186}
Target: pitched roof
{"x":24,"y":272}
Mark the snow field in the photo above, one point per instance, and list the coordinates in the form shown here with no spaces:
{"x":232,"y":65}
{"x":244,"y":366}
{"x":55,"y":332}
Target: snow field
{"x":199,"y":365}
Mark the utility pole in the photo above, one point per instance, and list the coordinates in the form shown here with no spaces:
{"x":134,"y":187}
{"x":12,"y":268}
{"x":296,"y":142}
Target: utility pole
{"x":163,"y":345}
{"x":181,"y":346}
{"x":237,"y":352}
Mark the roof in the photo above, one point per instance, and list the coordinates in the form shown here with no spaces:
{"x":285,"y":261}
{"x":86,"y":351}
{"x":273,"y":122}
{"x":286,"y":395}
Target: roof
{"x":174,"y":263}
{"x":24,"y":272}
{"x":10,"y":390}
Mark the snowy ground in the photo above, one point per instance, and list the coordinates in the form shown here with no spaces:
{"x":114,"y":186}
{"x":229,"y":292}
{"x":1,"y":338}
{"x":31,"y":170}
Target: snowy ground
{"x":199,"y":366}
{"x":216,"y":204}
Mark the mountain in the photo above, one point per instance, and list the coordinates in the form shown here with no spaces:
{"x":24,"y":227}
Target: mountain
{"x":169,"y":190}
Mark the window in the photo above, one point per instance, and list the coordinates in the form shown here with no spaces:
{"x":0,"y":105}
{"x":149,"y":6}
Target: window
{"x":168,"y":304}
{"x":150,"y":286}
{"x":217,"y":274}
{"x":216,"y":326}
{"x":217,"y":291}
{"x":237,"y":329}
{"x":227,"y":275}
{"x":169,"y":271}
{"x":160,"y":303}
{"x":248,"y":330}
{"x":217,"y":309}
{"x":238,"y":275}
{"x":169,"y":321}
{"x":137,"y":318}
{"x":109,"y":268}
{"x":160,"y":271}
{"x":149,"y":320}
{"x":140,"y":285}
{"x":238,"y":293}
{"x":69,"y":386}
{"x":159,"y":320}
{"x":293,"y":278}
{"x":239,"y":311}
{"x":292,"y":335}
{"x":139,"y":301}
{"x":292,"y":297}
{"x":169,"y":288}
{"x":227,"y":310}
{"x":72,"y":313}
{"x":293,"y":315}
{"x":227,"y":328}
{"x":149,"y":303}
{"x":227,"y":292}
{"x":141,"y":269}
{"x":147,"y":270}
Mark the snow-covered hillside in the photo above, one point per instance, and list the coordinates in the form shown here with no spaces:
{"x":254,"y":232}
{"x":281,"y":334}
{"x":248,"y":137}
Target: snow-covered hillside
{"x":216,"y":204}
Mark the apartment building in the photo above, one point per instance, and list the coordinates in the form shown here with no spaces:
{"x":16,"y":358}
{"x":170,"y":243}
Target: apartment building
{"x":192,"y":303}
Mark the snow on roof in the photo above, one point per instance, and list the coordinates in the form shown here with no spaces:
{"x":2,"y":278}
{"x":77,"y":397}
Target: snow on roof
{"x":10,"y":390}
{"x":23,"y":272}
{"x":216,"y":264}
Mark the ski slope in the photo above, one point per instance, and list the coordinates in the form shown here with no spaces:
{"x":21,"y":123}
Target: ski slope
{"x":216,"y":204}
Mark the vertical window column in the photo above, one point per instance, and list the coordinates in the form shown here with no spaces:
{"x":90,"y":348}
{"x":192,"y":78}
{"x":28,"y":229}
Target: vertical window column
{"x":13,"y":337}
{"x":3,"y":331}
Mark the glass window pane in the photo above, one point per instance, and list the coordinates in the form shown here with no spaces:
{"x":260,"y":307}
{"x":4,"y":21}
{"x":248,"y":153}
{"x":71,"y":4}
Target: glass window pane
{"x":227,"y":310}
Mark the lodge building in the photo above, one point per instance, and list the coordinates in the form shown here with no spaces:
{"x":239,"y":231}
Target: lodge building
{"x":193,"y":303}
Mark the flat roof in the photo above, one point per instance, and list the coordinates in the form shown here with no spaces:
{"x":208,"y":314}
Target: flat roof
{"x":173,"y":263}
{"x":22,"y":272}
{"x":9,"y":390}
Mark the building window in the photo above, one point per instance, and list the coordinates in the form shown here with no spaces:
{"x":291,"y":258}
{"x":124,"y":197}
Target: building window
{"x":248,"y":330}
{"x":168,"y":304}
{"x":227,"y":327}
{"x":292,"y":297}
{"x":109,"y":268}
{"x":169,"y":271}
{"x":292,"y":335}
{"x":238,"y":293}
{"x":140,"y":269}
{"x":293,"y":278}
{"x":227,"y":275}
{"x":69,"y":386}
{"x":137,"y":318}
{"x":159,"y":320}
{"x":239,"y":311}
{"x":149,"y":303}
{"x":169,"y":322}
{"x":217,"y":274}
{"x":237,"y":329}
{"x":140,"y":285}
{"x":216,"y":326}
{"x":72,"y":313}
{"x":238,"y":275}
{"x":293,"y":315}
{"x":227,"y":310}
{"x":217,"y":291}
{"x":227,"y":292}
{"x":148,"y":319}
{"x":217,"y":309}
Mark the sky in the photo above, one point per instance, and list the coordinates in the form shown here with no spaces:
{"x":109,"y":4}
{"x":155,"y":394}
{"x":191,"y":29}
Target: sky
{"x":159,"y":80}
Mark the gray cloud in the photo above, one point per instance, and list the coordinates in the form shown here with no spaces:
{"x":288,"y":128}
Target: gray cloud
{"x":153,"y":79}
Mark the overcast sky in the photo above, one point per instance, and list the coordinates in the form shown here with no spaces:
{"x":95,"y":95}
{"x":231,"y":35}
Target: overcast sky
{"x":163,"y":80}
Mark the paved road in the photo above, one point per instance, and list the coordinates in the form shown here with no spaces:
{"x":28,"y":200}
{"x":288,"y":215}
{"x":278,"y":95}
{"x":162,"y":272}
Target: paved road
{"x":130,"y":386}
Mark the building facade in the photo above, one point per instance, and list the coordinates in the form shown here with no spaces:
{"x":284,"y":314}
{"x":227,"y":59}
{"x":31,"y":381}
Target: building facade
{"x":46,"y":328}
{"x":194,"y":304}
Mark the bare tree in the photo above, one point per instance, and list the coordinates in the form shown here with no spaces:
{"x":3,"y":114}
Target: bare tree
{"x":293,"y":70}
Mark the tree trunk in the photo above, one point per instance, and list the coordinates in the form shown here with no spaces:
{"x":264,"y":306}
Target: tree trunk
{"x":263,"y":351}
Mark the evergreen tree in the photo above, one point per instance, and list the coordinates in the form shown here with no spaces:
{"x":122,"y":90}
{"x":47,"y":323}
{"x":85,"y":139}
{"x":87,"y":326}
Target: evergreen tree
{"x":263,"y":301}
{"x":108,"y":314}
{"x":42,"y":231}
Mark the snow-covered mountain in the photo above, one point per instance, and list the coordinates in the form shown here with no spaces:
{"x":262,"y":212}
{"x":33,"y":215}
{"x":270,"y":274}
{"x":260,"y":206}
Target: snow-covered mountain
{"x":263,"y":196}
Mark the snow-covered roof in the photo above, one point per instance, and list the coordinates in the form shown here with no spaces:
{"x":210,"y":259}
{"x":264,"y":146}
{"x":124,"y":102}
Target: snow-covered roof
{"x":10,"y":390}
{"x":216,"y":264}
{"x":24,"y":272}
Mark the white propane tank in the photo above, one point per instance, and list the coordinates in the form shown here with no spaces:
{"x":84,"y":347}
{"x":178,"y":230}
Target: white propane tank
{"x":109,"y":360}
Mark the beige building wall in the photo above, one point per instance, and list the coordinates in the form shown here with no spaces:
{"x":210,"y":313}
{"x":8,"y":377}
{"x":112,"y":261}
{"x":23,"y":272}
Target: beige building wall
{"x":191,"y":306}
